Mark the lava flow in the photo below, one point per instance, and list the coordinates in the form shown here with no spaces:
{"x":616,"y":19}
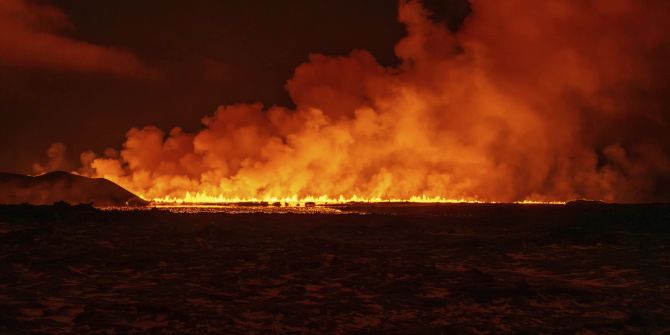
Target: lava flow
{"x":203,"y":199}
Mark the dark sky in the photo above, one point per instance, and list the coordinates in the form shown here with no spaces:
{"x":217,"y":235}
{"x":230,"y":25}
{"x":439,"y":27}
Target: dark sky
{"x":191,"y":57}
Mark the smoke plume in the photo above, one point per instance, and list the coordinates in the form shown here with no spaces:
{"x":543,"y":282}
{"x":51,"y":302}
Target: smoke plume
{"x":56,"y":159}
{"x":528,"y":100}
{"x":30,"y":36}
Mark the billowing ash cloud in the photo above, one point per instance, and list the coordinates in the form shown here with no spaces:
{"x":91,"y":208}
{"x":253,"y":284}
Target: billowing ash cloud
{"x":543,"y":100}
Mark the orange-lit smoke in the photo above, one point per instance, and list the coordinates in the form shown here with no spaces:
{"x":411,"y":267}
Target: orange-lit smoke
{"x":31,"y":37}
{"x":529,"y":100}
{"x":56,"y":159}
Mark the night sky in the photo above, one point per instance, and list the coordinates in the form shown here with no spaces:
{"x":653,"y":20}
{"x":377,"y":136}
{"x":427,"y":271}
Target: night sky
{"x":187,"y":58}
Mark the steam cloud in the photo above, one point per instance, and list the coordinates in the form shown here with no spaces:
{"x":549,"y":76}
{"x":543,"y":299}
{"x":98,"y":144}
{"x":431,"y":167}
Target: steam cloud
{"x":548,"y":100}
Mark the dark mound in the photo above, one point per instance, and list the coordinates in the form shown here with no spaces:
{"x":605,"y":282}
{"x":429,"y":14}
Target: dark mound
{"x":63,"y":187}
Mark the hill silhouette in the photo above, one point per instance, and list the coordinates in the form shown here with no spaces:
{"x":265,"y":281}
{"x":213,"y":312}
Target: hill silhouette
{"x":59,"y":186}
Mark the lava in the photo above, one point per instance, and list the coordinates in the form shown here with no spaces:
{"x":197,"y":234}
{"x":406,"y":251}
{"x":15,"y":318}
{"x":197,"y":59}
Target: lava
{"x":204,"y":200}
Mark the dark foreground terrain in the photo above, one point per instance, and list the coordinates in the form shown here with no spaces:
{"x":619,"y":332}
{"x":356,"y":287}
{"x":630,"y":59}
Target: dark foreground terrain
{"x":402,"y":269}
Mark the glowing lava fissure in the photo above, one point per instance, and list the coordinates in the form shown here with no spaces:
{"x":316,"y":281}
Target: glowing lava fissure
{"x":206,"y":200}
{"x":528,"y":100}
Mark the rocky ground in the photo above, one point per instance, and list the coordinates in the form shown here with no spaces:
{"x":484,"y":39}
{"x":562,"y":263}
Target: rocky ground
{"x":398,"y":269}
